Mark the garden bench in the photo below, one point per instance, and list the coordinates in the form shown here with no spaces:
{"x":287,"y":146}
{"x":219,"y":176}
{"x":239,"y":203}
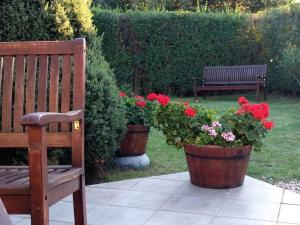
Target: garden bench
{"x":232,"y":78}
{"x":41,"y":83}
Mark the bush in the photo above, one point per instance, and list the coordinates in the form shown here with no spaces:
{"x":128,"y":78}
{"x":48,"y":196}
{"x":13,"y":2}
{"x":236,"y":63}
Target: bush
{"x":279,"y":29}
{"x":161,"y":51}
{"x":105,"y":115}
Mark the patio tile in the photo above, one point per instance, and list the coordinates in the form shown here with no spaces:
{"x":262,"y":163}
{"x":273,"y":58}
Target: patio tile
{"x":234,"y":221}
{"x":16,"y":218}
{"x":101,"y":195}
{"x":290,"y":197}
{"x":124,"y":184}
{"x":188,"y":189}
{"x":193,"y":204}
{"x":28,"y":222}
{"x":112,"y":215}
{"x":157,"y":185}
{"x":250,"y":210}
{"x":173,"y":218}
{"x":184,"y":176}
{"x":252,"y":182}
{"x":289,"y":214}
{"x":259,"y":194}
{"x":149,"y":200}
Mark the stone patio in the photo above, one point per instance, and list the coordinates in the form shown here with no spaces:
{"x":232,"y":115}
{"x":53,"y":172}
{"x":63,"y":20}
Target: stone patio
{"x":172,"y":200}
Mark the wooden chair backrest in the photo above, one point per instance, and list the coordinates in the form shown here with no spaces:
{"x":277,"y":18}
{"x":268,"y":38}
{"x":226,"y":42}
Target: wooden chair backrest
{"x":40,"y":77}
{"x":245,"y":74}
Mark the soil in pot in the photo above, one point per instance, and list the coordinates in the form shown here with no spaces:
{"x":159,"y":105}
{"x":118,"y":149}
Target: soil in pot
{"x":217,"y":167}
{"x":135,"y":141}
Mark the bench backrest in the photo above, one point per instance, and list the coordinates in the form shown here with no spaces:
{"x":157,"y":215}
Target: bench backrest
{"x":245,"y":74}
{"x":40,"y":76}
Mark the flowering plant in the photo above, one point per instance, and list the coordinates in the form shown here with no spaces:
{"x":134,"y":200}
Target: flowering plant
{"x":140,"y":111}
{"x":184,"y":124}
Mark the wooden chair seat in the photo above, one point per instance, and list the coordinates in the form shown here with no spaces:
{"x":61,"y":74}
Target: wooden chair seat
{"x":15,"y":180}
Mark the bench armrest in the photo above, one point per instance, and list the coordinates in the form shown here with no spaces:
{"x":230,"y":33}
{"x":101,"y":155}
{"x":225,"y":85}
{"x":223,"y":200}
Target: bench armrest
{"x":44,"y":118}
{"x":196,"y":78}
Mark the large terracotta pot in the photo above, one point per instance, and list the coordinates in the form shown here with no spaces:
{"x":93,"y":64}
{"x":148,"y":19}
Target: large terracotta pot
{"x":135,"y":141}
{"x":213,"y":166}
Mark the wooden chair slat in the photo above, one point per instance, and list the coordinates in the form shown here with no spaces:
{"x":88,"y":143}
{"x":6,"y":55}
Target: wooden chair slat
{"x":66,"y":89}
{"x":7,"y":94}
{"x":1,"y":72}
{"x":19,"y":93}
{"x":53,"y":98}
{"x":42,"y":84}
{"x":30,"y":83}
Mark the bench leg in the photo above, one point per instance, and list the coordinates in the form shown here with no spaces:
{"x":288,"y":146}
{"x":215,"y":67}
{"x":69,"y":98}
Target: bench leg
{"x":257,"y":93}
{"x":79,"y":205}
{"x":265,"y":93}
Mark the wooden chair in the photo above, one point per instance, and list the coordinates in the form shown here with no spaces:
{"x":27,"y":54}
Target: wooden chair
{"x":41,"y":79}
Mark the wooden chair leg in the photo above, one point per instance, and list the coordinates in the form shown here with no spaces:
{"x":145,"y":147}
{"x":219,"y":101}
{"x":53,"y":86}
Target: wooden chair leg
{"x":79,"y":206}
{"x":40,"y":216}
{"x":257,"y":94}
{"x":265,"y":94}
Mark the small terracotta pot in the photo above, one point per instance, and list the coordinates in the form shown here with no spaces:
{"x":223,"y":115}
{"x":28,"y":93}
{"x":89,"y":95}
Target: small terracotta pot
{"x":135,"y":141}
{"x":213,"y":166}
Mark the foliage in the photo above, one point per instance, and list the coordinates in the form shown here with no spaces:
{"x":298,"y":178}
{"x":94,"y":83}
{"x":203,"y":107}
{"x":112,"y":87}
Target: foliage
{"x":162,"y":51}
{"x":192,"y":5}
{"x":181,"y":124}
{"x":105,"y":116}
{"x":280,"y":41}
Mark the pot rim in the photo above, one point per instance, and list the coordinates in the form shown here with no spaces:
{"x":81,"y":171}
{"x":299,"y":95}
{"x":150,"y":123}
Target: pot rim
{"x":216,"y":146}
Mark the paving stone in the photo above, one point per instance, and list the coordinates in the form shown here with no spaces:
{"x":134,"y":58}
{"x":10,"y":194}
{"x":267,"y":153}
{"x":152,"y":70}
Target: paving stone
{"x":149,"y":200}
{"x":193,"y":204}
{"x":28,"y":222}
{"x":136,"y":162}
{"x":184,"y":176}
{"x":123,"y":185}
{"x":257,"y":194}
{"x":290,"y":197}
{"x":289,"y":214}
{"x":158,"y":186}
{"x":112,"y":215}
{"x":252,"y":182}
{"x":173,"y":218}
{"x":234,"y":221}
{"x":101,"y":195}
{"x":188,"y":189}
{"x":250,"y":210}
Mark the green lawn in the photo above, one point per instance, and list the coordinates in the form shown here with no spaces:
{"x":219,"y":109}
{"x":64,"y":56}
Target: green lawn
{"x":278,"y":160}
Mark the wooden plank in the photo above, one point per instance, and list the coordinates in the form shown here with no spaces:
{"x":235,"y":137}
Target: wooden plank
{"x":53,"y":99}
{"x":1,"y":72}
{"x":42,"y":84}
{"x":18,"y":140}
{"x":7,"y":94}
{"x":19,"y":93}
{"x":66,"y":89}
{"x":37,"y":48}
{"x":30,"y":84}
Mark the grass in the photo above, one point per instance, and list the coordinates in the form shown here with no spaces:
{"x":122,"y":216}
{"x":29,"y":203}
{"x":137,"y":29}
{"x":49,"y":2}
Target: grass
{"x":278,"y":160}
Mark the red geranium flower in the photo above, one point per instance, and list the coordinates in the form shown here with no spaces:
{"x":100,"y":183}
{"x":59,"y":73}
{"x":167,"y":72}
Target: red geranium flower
{"x":186,"y":103}
{"x":138,"y":97}
{"x":266,"y":109}
{"x":163,"y":99}
{"x":242,"y":100}
{"x":152,"y":96}
{"x":268,"y":125}
{"x":190,"y":112}
{"x":141,"y":103}
{"x":122,"y":94}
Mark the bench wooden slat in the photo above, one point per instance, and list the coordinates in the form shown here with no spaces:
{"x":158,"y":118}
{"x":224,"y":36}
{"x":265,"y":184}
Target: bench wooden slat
{"x":30,"y":83}
{"x":54,"y":79}
{"x":42,"y":84}
{"x":66,"y":89}
{"x":7,"y":94}
{"x":19,"y":93}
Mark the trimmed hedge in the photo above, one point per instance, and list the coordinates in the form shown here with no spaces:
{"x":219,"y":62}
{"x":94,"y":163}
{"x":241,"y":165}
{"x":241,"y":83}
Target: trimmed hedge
{"x":170,"y":48}
{"x":166,"y":49}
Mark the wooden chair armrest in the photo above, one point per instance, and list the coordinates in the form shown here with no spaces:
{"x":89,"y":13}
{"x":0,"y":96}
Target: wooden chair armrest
{"x":44,"y":118}
{"x":196,"y":78}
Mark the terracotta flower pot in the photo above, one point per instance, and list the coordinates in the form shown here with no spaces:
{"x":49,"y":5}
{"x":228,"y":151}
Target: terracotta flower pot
{"x":217,"y":167}
{"x":135,"y":141}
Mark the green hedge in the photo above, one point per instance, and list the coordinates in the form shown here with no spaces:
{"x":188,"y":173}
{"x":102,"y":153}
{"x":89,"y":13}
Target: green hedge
{"x":280,"y":40}
{"x":65,"y":19}
{"x":166,"y":49}
{"x":169,"y":48}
